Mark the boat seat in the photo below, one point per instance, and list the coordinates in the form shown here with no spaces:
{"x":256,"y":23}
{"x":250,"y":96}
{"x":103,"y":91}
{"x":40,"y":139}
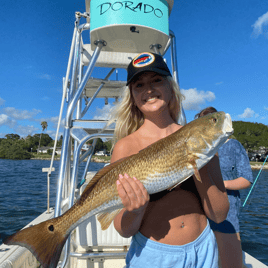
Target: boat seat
{"x":110,"y":89}
{"x":106,"y":58}
{"x":89,"y":235}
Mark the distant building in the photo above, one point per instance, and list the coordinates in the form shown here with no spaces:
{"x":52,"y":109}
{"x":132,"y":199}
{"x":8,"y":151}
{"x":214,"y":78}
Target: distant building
{"x":43,"y":150}
{"x":258,"y":155}
{"x":86,"y":147}
{"x":101,"y":152}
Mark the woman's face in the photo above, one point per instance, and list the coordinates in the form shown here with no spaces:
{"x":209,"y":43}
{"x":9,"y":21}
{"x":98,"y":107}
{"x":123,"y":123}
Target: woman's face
{"x":151,"y":92}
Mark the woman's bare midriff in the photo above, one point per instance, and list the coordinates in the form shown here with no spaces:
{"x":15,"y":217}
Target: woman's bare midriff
{"x":175,"y":219}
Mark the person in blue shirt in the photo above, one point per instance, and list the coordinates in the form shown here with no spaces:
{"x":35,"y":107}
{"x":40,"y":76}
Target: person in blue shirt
{"x":237,"y":175}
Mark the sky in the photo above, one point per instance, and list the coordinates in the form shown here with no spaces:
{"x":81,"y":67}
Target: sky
{"x":222,"y":55}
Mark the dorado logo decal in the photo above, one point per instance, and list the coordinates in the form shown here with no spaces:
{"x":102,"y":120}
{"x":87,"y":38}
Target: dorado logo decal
{"x":143,"y":60}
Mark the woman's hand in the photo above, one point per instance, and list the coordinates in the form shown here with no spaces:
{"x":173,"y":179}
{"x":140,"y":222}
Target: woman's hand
{"x":133,"y":194}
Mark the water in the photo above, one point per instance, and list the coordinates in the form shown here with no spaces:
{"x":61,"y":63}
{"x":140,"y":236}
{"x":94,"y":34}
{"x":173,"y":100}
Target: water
{"x":23,"y":196}
{"x":254,"y":219}
{"x":23,"y":191}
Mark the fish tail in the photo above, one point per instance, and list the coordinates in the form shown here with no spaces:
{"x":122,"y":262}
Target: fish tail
{"x":44,"y":240}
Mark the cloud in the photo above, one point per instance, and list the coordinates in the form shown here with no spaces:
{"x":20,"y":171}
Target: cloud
{"x":248,"y":113}
{"x":2,"y":101}
{"x":45,"y":76}
{"x":7,"y":121}
{"x":10,"y":117}
{"x":52,"y":134}
{"x":55,"y":120}
{"x":219,"y":83}
{"x":104,"y":113}
{"x":52,"y":121}
{"x":194,"y":99}
{"x":20,"y":114}
{"x":259,"y":24}
{"x":266,"y":108}
{"x":24,"y":131}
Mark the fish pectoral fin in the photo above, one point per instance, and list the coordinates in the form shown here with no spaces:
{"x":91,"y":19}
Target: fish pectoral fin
{"x":106,"y":218}
{"x":196,"y":172}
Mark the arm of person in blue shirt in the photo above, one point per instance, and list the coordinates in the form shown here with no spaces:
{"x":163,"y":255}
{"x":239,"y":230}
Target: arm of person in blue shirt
{"x":244,"y":172}
{"x":237,"y":184}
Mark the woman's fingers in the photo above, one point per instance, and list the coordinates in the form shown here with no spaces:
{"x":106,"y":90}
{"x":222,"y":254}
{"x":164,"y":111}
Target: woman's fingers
{"x":129,"y":186}
{"x":122,"y":193}
{"x":142,"y":189}
{"x":132,"y":193}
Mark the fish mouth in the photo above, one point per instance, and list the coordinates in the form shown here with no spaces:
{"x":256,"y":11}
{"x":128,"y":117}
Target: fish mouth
{"x":228,"y":126}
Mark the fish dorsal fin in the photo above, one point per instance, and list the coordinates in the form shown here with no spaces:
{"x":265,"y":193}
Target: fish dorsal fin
{"x":101,"y":173}
{"x":106,"y":218}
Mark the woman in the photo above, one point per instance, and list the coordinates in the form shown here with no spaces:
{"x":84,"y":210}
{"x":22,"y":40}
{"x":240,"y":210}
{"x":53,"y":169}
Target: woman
{"x":237,"y":175}
{"x":169,"y":229}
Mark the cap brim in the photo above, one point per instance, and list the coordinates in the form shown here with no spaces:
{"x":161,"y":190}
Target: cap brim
{"x":156,"y":70}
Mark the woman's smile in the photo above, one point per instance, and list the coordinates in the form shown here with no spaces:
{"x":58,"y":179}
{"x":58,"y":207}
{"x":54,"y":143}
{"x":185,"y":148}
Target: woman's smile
{"x":151,"y":99}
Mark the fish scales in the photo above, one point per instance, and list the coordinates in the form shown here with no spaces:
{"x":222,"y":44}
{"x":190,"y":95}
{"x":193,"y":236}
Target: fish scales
{"x":160,"y":166}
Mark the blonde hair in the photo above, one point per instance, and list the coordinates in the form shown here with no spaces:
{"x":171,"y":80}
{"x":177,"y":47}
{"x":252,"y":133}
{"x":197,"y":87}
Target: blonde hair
{"x":129,"y":118}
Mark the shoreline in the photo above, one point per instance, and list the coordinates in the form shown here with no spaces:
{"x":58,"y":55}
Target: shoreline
{"x":259,"y":166}
{"x":94,"y":159}
{"x":100,"y":160}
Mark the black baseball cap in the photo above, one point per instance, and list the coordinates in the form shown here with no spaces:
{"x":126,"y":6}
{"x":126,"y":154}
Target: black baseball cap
{"x":147,"y":61}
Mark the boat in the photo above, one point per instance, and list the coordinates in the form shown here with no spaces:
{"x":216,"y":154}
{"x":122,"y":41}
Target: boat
{"x":118,"y":32}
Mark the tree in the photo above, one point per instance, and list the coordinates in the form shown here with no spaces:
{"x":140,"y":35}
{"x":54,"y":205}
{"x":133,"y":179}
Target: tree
{"x":99,"y":145}
{"x":5,"y":147}
{"x":13,"y":136}
{"x":251,"y":135}
{"x":108,"y":145}
{"x":44,"y":127}
{"x":13,"y":147}
{"x":16,"y":151}
{"x":59,"y":142}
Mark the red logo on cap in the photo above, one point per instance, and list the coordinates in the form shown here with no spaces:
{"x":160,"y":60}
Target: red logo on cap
{"x":143,"y":60}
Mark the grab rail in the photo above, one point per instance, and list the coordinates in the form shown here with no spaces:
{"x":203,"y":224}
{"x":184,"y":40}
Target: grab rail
{"x":254,"y":182}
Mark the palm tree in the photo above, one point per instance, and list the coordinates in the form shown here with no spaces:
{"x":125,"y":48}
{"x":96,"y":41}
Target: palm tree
{"x":44,"y":127}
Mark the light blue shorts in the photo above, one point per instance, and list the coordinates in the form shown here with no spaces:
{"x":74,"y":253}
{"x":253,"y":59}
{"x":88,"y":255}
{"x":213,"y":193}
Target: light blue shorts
{"x":202,"y":252}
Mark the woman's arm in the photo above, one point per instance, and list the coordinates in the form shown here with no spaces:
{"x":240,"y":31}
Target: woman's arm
{"x":135,"y":200}
{"x":237,"y":184}
{"x":133,"y":194}
{"x":212,"y":191}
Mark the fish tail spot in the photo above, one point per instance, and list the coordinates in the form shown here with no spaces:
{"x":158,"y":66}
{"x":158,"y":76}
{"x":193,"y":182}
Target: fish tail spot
{"x":43,"y":240}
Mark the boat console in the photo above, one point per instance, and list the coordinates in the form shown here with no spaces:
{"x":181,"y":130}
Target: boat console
{"x":118,"y":31}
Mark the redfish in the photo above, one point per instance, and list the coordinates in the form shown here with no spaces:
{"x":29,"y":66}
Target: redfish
{"x":162,"y":165}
